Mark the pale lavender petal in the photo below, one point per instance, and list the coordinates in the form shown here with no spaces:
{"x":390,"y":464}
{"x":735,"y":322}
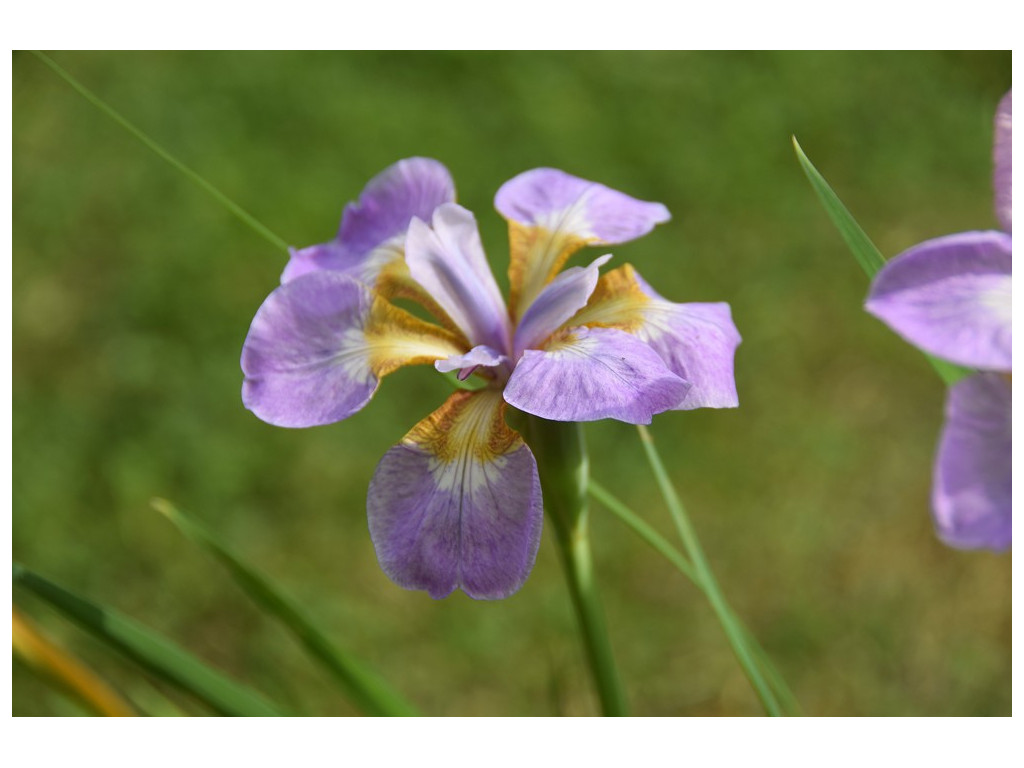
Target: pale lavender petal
{"x":378,"y":221}
{"x":586,"y":374}
{"x":448,"y":261}
{"x":951,"y":297}
{"x":1003,"y":156}
{"x":457,"y":504}
{"x":477,"y":357}
{"x":331,"y":255}
{"x":698,"y":343}
{"x":318,"y":346}
{"x":559,"y":301}
{"x":552,"y":215}
{"x":561,"y":202}
{"x":972,"y":491}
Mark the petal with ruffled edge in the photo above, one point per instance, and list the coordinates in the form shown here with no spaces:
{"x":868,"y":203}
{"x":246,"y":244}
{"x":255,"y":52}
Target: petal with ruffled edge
{"x":448,"y":260}
{"x":1003,"y":156}
{"x":552,"y":214}
{"x":696,"y":340}
{"x":319,"y":345}
{"x":585,"y":374}
{"x":370,"y":245}
{"x":559,"y":301}
{"x":951,"y":298}
{"x":457,"y":504}
{"x":972,"y":490}
{"x":373,"y":229}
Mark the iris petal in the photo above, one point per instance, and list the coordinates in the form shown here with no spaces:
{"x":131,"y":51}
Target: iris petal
{"x":370,"y":245}
{"x":552,"y":215}
{"x":585,"y":374}
{"x":457,"y":504}
{"x":559,"y":301}
{"x":696,"y":340}
{"x":972,"y":491}
{"x":951,"y":297}
{"x":373,"y":229}
{"x":448,"y":260}
{"x":318,"y":346}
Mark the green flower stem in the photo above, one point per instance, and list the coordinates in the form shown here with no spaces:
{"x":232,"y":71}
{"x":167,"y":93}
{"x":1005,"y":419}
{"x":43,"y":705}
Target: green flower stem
{"x":563,"y":466}
{"x":738,"y":638}
{"x":114,"y":115}
{"x":678,"y":559}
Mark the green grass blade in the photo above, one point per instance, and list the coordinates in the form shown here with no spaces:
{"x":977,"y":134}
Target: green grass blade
{"x":640,"y":527}
{"x":364,"y":688}
{"x":738,"y":639}
{"x":206,"y":186}
{"x":158,"y":655}
{"x":860,"y":245}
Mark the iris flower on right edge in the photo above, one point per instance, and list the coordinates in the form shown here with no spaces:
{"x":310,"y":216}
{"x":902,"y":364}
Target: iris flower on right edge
{"x":951,"y":297}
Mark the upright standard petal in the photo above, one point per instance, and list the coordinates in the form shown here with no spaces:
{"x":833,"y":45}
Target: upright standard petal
{"x":1003,"y":156}
{"x":372,"y":231}
{"x":457,"y":504}
{"x":551,"y":215}
{"x":697,"y":341}
{"x":951,"y":297}
{"x":448,"y":261}
{"x":319,"y":345}
{"x":972,"y":492}
{"x":585,"y":374}
{"x":559,"y":301}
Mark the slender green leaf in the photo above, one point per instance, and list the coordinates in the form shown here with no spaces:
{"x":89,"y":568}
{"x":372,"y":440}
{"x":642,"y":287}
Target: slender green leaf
{"x":150,"y":650}
{"x":206,"y":186}
{"x":366,"y":690}
{"x":860,"y":245}
{"x":640,"y":527}
{"x":738,"y":639}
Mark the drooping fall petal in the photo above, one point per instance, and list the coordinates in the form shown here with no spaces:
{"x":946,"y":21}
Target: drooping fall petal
{"x":585,"y":374}
{"x":972,"y":490}
{"x":457,"y":504}
{"x":951,"y":297}
{"x":552,"y":214}
{"x":696,"y":340}
{"x":318,"y":346}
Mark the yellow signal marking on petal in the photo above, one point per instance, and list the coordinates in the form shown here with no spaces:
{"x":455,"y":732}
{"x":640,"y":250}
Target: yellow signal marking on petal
{"x":537,"y":255}
{"x":469,"y":426}
{"x":391,"y":338}
{"x":384,"y":269}
{"x":618,"y":301}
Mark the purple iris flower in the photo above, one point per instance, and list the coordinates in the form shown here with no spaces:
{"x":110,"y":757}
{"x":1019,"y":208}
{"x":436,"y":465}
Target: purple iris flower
{"x":951,"y":297}
{"x":457,"y":503}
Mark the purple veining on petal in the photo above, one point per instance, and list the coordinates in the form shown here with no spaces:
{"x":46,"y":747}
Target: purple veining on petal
{"x":1003,"y":156}
{"x":594,"y":373}
{"x":412,"y":187}
{"x":972,"y":490}
{"x":559,"y":201}
{"x":558,"y":302}
{"x":448,"y":260}
{"x":446,"y":515}
{"x":951,"y":297}
{"x":698,"y":343}
{"x":300,"y":368}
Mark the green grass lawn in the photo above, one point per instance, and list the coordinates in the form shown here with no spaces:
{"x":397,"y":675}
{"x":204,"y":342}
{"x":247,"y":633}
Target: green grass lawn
{"x":133,"y":292}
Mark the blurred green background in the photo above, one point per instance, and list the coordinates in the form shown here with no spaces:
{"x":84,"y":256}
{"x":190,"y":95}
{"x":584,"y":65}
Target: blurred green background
{"x":133,"y":292}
